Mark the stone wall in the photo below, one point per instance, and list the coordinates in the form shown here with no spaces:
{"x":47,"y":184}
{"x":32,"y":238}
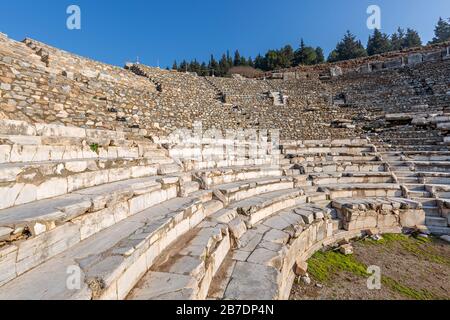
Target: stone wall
{"x":39,"y":83}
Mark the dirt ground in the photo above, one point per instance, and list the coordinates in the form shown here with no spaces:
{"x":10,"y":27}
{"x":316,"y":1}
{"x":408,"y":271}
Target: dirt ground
{"x":411,"y":268}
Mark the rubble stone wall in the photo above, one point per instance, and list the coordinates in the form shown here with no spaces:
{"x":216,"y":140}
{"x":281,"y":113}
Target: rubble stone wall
{"x":39,"y":83}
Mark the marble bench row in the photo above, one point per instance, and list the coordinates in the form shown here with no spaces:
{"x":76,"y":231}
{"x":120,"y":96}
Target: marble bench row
{"x":261,"y":265}
{"x":28,"y":182}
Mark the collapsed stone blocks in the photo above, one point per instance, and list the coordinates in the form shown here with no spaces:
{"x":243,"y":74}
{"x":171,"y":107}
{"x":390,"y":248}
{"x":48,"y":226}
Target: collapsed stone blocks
{"x":379,"y":213}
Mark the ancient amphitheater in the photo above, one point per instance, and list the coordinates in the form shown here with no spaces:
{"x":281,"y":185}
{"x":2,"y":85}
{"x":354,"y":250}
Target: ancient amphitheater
{"x":125,"y":176}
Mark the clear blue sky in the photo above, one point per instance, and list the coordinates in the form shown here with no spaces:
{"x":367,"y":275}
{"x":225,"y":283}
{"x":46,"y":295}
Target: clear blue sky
{"x":117,"y":31}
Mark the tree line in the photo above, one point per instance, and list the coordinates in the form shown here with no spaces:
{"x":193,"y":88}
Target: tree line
{"x":347,"y":48}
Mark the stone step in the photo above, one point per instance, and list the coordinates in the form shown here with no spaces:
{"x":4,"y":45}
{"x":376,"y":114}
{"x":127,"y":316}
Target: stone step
{"x":190,"y":187}
{"x":317,"y":197}
{"x":185,"y":270}
{"x":436,"y":222}
{"x":261,"y":265}
{"x":218,"y":176}
{"x":405,"y":174}
{"x":169,"y":169}
{"x":325,"y":143}
{"x":426,"y":201}
{"x":415,"y":187}
{"x":437,"y":180}
{"x":190,"y":165}
{"x":28,"y":182}
{"x":41,"y":134}
{"x":419,"y":194}
{"x":408,"y":180}
{"x":431,"y":211}
{"x":112,"y":261}
{"x":362,"y":190}
{"x":259,"y":207}
{"x":400,"y":167}
{"x":415,"y":147}
{"x":43,"y":229}
{"x":20,"y":152}
{"x":329,"y":167}
{"x":350,"y":177}
{"x":438,"y":231}
{"x":429,"y":158}
{"x":241,"y":190}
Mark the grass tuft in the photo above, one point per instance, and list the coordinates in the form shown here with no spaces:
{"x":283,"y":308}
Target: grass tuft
{"x":94,"y":147}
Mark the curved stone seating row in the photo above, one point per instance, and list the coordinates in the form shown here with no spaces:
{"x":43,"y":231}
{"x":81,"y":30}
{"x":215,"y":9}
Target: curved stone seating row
{"x":33,"y":170}
{"x":189,"y":228}
{"x":427,"y":156}
{"x":265,"y":252}
{"x":35,"y":232}
{"x":362,"y":190}
{"x":351,"y":177}
{"x":262,"y":265}
{"x":186,"y":271}
{"x":24,"y":142}
{"x":346,"y":166}
{"x":427,"y":166}
{"x":113,"y":260}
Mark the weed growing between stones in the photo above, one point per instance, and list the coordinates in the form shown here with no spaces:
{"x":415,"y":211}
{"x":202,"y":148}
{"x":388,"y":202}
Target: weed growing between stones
{"x":94,"y":147}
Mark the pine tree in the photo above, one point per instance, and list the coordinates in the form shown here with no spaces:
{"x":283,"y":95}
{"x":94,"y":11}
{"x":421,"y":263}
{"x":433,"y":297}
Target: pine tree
{"x":320,"y":58}
{"x":213,"y":66}
{"x":223,"y":66}
{"x":441,"y":31}
{"x":237,"y":58}
{"x":271,"y":60}
{"x":305,"y":55}
{"x":412,"y":39}
{"x":402,"y":40}
{"x":183,"y":66}
{"x":260,"y":62}
{"x":175,"y":65}
{"x":229,"y":58}
{"x":250,"y":62}
{"x":397,"y":39}
{"x":378,"y":43}
{"x":203,"y":70}
{"x":348,"y":48}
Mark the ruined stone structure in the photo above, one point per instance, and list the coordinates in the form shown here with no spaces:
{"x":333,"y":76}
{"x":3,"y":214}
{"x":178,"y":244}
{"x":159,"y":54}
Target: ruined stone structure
{"x":100,"y":200}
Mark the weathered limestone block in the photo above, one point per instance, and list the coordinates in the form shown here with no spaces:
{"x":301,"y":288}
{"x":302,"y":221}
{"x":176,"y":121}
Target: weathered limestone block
{"x":237,"y":228}
{"x":415,"y":58}
{"x":336,"y":71}
{"x":394,"y":63}
{"x":52,"y":188}
{"x":412,"y":218}
{"x":254,"y":281}
{"x":51,"y":130}
{"x":37,"y":250}
{"x":432,"y":56}
{"x":16,"y":128}
{"x":8,"y":255}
